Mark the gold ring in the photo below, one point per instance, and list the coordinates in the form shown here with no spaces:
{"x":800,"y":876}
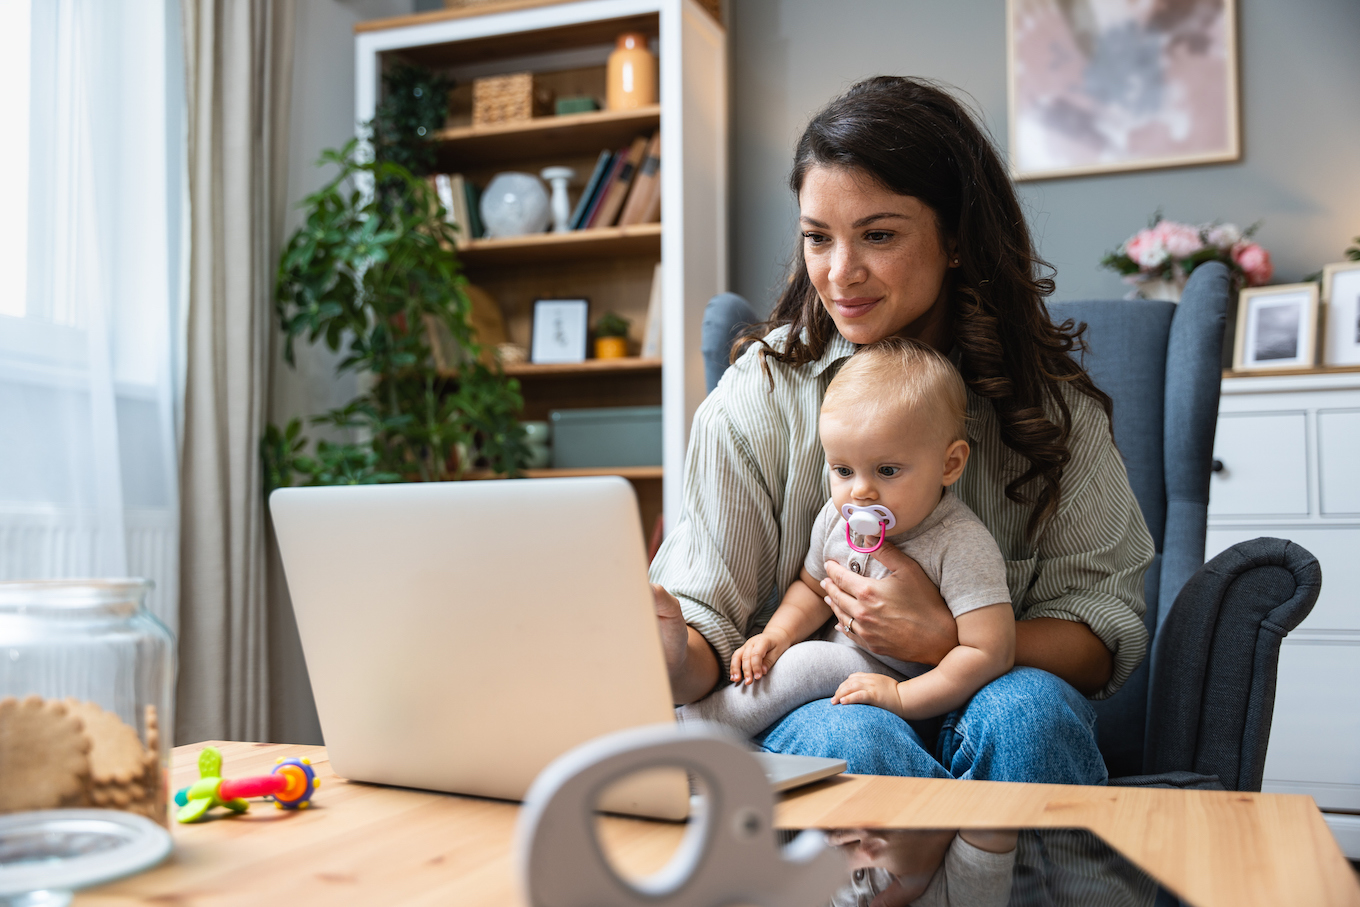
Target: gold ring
{"x":850,"y":625}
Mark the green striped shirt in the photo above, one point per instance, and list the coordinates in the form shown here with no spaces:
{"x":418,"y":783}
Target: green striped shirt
{"x":755,"y":478}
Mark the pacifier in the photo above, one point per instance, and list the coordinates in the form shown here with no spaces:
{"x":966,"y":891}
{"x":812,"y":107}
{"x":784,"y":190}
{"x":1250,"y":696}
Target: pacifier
{"x":872,"y":520}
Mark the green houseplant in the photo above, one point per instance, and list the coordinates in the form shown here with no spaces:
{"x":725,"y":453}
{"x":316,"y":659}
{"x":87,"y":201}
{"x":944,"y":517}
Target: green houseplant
{"x":373,"y":272}
{"x":611,"y":336}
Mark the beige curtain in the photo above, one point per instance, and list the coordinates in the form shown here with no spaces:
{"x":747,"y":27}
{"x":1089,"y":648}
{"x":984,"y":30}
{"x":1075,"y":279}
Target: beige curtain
{"x":238,"y":66}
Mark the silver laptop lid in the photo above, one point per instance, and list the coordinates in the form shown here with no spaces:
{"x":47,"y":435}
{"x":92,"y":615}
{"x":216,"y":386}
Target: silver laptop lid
{"x":461,"y":635}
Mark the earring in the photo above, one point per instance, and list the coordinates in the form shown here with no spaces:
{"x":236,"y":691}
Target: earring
{"x":956,"y":261}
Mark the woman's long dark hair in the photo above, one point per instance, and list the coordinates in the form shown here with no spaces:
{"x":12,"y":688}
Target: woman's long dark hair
{"x":915,"y":139}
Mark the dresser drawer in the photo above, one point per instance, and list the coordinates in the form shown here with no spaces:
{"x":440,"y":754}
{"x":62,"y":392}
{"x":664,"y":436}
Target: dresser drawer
{"x":1265,"y":465}
{"x":1338,"y":604}
{"x":1315,"y":735}
{"x":1339,"y":462}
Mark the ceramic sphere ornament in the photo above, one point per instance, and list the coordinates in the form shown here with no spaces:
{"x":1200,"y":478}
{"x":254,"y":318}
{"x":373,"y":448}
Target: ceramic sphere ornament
{"x":630,"y":75}
{"x":515,"y":204}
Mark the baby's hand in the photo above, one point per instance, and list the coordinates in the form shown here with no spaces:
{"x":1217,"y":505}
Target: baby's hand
{"x":752,"y":660}
{"x":868,"y":689}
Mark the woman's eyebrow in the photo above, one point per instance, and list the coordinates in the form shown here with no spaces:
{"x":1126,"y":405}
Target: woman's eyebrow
{"x":862,"y":222}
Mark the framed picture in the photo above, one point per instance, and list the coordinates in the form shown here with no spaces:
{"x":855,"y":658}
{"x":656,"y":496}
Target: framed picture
{"x":1341,"y":314}
{"x":1097,"y":86}
{"x":1276,"y":327}
{"x":560,"y":327}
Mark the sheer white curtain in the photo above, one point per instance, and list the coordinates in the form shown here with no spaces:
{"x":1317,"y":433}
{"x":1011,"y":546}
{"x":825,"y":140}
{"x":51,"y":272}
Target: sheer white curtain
{"x":91,"y":268}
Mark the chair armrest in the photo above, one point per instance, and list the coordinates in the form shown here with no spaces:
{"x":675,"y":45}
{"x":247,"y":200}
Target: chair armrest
{"x":1212,"y":691}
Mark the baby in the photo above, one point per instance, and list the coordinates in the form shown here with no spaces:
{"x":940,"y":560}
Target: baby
{"x":893,"y":426}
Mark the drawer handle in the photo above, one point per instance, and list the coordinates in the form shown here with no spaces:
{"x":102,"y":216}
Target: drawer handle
{"x":1217,"y":465}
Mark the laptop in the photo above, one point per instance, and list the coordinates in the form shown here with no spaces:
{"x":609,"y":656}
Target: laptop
{"x":460,"y":636}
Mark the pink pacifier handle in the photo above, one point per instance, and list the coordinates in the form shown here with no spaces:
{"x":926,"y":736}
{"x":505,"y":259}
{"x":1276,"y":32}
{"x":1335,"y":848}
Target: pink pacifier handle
{"x":882,"y":534}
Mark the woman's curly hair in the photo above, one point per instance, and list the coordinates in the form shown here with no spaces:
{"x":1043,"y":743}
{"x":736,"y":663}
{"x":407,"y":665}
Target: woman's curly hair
{"x":916,"y":139}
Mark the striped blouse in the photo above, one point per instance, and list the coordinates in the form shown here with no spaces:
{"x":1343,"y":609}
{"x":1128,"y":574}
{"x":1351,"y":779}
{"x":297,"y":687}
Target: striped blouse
{"x":755,"y":478}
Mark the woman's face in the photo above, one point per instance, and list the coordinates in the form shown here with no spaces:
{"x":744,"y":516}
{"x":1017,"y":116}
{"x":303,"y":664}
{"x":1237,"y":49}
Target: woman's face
{"x":876,"y":258}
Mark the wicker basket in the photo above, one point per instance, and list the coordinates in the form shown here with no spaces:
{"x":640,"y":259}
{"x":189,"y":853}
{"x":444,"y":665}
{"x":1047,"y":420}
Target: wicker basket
{"x":507,"y":99}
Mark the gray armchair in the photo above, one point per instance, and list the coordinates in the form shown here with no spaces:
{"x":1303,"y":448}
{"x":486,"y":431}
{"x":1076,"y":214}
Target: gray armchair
{"x":1197,"y":712}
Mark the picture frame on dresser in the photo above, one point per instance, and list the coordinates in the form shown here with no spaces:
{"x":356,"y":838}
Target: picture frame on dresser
{"x":1341,"y":313}
{"x":1276,"y":328}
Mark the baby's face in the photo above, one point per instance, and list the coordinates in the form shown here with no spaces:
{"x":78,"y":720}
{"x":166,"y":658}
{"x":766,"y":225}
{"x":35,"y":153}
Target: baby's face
{"x":899,"y":464}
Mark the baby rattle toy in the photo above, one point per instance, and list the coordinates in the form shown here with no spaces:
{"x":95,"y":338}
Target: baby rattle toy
{"x":875,"y":519}
{"x":291,"y":785}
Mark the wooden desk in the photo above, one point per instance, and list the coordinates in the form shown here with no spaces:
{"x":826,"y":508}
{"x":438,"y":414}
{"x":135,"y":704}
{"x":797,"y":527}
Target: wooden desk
{"x":368,"y":845}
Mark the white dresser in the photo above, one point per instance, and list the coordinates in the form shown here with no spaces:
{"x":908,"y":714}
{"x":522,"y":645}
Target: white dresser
{"x":1288,"y":452}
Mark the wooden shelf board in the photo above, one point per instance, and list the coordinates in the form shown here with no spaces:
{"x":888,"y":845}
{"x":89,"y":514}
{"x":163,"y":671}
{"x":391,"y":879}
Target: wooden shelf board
{"x":599,"y":33}
{"x":589,"y":367}
{"x":605,"y":242}
{"x":544,"y":137}
{"x":1275,"y":372}
{"x":627,"y":472}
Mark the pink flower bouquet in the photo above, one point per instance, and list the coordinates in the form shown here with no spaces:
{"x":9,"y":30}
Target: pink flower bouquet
{"x":1166,"y":252}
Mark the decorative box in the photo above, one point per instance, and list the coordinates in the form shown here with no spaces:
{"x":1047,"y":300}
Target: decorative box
{"x":508,"y":99}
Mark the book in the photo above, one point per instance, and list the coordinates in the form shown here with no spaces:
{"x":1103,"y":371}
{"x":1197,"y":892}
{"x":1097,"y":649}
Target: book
{"x":591,"y":190}
{"x":612,"y":202}
{"x":452,"y":192}
{"x":645,"y":183}
{"x":476,"y":229}
{"x":651,"y":332}
{"x":615,"y":164}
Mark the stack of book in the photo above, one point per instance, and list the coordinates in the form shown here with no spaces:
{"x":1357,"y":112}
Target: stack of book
{"x":625,"y":187}
{"x":461,"y":200}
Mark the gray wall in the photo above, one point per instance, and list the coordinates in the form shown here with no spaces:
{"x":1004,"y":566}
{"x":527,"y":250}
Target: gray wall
{"x":322,"y":116}
{"x":1300,"y":102}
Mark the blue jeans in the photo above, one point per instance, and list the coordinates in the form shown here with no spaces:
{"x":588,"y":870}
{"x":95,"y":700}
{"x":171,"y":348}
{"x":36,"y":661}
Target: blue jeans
{"x":1026,"y":725}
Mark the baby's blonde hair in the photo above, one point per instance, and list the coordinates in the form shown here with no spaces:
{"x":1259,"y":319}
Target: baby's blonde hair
{"x":896,"y":378}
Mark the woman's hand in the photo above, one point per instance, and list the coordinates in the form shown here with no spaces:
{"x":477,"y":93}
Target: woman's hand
{"x":690,"y":662}
{"x":902,"y":615}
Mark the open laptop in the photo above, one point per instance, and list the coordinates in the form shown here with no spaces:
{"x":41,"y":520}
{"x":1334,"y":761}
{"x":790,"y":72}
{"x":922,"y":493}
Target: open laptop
{"x":462,"y":635}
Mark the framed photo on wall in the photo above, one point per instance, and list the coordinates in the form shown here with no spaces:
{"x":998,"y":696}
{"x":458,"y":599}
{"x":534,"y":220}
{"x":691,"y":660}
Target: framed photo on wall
{"x":1276,"y":327}
{"x":1341,"y":314}
{"x":560,"y":330}
{"x":1098,"y":87}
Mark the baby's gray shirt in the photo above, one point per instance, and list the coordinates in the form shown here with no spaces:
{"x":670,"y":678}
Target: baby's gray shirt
{"x":952,"y":546}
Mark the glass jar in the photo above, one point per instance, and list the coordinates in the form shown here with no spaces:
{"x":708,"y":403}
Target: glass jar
{"x":87,"y":681}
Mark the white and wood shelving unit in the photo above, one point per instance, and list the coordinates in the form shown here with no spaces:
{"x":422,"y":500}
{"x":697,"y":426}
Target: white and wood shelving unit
{"x":565,"y":45}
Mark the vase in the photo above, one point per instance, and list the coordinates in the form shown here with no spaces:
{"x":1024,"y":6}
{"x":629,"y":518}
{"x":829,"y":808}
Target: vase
{"x":611,"y":347}
{"x":631,"y":74}
{"x":1169,"y":290}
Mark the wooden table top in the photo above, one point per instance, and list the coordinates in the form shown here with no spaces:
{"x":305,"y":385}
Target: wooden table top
{"x":366,"y":844}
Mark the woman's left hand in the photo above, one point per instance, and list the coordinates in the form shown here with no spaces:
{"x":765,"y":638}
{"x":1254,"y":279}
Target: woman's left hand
{"x":901,"y":615}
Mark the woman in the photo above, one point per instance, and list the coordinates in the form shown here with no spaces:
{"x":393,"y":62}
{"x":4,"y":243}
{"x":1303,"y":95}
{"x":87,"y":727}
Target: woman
{"x":910,"y":226}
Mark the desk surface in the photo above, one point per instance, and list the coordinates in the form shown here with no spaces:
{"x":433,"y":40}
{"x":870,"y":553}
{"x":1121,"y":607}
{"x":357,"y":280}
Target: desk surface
{"x":365,"y":844}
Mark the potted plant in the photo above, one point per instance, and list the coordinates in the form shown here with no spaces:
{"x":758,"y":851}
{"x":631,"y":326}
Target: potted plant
{"x":611,"y":336}
{"x":373,"y":272}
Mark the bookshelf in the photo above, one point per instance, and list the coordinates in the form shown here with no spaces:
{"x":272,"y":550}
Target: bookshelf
{"x":565,"y":45}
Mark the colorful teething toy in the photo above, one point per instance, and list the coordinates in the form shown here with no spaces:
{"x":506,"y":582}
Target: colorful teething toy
{"x":291,"y":785}
{"x":875,"y":519}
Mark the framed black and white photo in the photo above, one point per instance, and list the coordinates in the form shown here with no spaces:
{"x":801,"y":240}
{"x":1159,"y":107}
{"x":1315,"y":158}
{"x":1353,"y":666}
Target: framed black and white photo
{"x":1341,"y":314}
{"x":1276,"y":327}
{"x":560,"y":329}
